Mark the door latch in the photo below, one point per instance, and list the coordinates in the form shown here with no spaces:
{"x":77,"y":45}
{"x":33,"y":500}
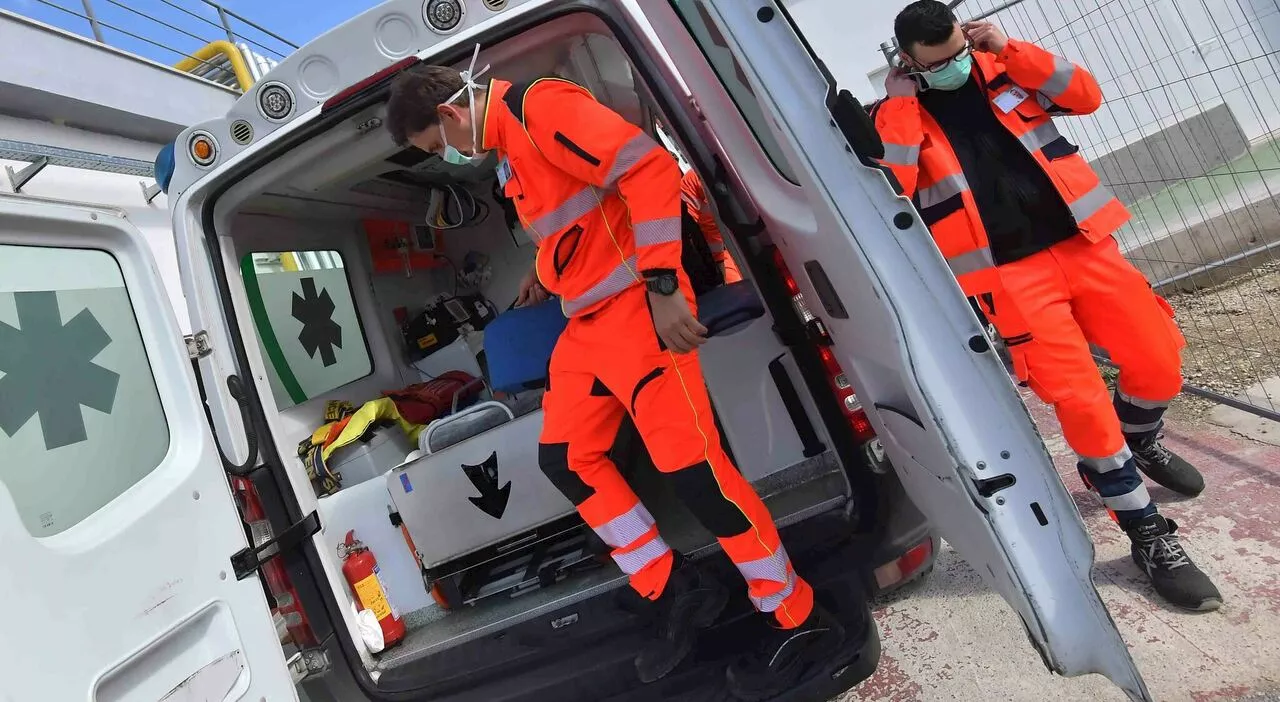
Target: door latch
{"x":198,"y":345}
{"x":249,"y":560}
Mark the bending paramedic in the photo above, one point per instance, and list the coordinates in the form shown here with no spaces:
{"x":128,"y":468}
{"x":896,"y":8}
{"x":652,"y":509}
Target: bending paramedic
{"x":602,"y":201}
{"x":1026,"y":227}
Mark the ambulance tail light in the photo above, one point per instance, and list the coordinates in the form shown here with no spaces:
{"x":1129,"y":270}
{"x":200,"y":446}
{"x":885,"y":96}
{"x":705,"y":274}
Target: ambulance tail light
{"x":905,"y":567}
{"x":364,"y":86}
{"x":836,"y":378}
{"x":288,"y":609}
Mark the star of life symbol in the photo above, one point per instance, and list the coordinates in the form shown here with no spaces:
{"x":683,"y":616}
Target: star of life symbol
{"x":49,"y":370}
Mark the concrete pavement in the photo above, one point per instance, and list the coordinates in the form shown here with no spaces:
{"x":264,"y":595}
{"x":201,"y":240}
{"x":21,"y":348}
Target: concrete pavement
{"x":951,"y":638}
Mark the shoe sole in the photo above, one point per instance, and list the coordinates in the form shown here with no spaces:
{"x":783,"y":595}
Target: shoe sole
{"x":1206,"y":606}
{"x":707,"y":614}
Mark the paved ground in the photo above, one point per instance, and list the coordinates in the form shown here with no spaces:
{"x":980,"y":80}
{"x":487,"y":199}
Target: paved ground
{"x":951,"y":638}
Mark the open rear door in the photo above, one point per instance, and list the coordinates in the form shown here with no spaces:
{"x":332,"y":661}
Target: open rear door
{"x":116,"y":520}
{"x":948,"y":415}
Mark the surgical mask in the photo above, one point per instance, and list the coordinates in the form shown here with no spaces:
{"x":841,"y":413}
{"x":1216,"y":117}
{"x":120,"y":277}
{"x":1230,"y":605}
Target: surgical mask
{"x":452,"y":155}
{"x":952,"y":76}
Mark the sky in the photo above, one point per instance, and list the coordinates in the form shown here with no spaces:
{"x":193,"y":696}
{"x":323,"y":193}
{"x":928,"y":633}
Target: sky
{"x":297,"y":21}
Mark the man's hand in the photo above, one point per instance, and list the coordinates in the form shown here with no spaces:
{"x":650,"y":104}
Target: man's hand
{"x":531,"y":291}
{"x":900,"y":84}
{"x":675,"y":323}
{"x":986,"y":37}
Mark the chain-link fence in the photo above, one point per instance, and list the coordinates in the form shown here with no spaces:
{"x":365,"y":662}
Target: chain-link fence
{"x":1187,"y":138}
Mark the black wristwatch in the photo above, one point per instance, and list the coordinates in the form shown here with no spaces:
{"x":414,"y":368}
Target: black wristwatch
{"x":663,"y":283}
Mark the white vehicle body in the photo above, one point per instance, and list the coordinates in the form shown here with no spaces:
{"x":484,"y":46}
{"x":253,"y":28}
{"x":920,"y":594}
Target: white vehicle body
{"x":160,"y":610}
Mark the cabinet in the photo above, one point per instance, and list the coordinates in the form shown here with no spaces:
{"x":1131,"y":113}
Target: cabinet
{"x":400,"y":247}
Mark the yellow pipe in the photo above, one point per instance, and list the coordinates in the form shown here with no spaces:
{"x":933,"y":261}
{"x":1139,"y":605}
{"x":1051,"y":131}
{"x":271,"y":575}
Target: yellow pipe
{"x":238,"y":65}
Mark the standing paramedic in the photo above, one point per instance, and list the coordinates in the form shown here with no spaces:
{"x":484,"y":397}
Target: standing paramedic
{"x":1026,"y":227}
{"x":602,"y":201}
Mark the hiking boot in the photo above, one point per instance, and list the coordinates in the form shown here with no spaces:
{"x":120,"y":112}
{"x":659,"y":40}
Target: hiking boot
{"x":1167,"y":468}
{"x":1157,"y":551}
{"x":786,"y":657}
{"x":691,"y":600}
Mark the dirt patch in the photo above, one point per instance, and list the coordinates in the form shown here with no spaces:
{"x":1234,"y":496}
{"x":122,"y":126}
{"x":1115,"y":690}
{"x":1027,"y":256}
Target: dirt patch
{"x":1233,"y":335}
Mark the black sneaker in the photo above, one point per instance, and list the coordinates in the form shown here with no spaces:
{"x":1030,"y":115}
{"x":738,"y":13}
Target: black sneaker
{"x":691,"y":600}
{"x":1167,"y":468}
{"x":1160,"y":555}
{"x":786,"y":657}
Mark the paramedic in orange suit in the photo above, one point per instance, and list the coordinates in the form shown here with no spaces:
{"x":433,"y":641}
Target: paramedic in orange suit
{"x":695,"y":196}
{"x":601,"y":199}
{"x":1026,"y":227}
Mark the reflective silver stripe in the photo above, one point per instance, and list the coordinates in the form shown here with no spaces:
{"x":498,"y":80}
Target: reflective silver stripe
{"x":569,"y":211}
{"x":619,"y":279}
{"x":1091,"y":203}
{"x":1037,"y":138}
{"x":771,"y":603}
{"x":1141,"y":428}
{"x":1132,"y":500}
{"x":1063,"y":70}
{"x":1045,"y":102}
{"x":1142,"y":404}
{"x":624,"y":529}
{"x":971,"y":262}
{"x":940,"y":191}
{"x":657,"y":231}
{"x":1108,"y":464}
{"x":900,"y":154}
{"x":772,"y":567}
{"x":633,"y":562}
{"x":628,"y":156}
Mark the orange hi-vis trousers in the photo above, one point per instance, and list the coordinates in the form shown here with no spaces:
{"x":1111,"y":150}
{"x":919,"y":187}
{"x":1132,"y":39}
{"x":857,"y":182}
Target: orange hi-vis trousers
{"x":609,"y":364}
{"x":1052,"y":306}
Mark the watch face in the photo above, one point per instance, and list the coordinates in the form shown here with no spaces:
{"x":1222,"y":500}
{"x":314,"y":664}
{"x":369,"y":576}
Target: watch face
{"x":664,"y":285}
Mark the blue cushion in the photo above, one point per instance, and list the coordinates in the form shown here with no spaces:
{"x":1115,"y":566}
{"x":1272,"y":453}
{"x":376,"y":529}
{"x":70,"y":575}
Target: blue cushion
{"x":518,"y":345}
{"x":729,"y":306}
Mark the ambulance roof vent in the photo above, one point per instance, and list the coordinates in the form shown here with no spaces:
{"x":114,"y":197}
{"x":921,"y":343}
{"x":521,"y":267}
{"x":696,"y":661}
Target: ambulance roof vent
{"x":495,"y":5}
{"x":241,"y":132}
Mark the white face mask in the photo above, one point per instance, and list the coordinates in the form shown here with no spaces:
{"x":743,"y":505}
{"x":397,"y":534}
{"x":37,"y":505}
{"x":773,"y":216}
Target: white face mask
{"x":451,"y":154}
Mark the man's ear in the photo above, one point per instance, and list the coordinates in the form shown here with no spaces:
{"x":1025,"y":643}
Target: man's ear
{"x":448,"y":113}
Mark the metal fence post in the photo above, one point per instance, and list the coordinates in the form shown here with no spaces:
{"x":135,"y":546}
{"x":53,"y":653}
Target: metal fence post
{"x":93,"y":21}
{"x":226,"y":23}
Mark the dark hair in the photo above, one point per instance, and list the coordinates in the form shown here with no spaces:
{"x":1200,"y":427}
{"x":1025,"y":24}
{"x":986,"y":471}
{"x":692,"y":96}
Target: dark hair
{"x":927,"y":22}
{"x":415,"y":95}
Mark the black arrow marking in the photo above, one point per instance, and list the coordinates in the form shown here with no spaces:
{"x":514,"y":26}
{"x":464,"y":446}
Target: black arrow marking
{"x":319,"y":331}
{"x":493,"y":499}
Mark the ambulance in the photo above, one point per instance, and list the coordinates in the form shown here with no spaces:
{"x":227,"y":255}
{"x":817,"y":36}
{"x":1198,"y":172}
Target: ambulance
{"x":178,"y":522}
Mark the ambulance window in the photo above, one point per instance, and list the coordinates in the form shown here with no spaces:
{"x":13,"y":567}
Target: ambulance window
{"x":717,"y":52}
{"x":308,"y":330}
{"x":80,"y":417}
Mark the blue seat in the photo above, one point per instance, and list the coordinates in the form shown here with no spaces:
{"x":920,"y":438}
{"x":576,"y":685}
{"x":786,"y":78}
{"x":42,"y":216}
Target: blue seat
{"x":518,"y":344}
{"x":729,"y":306}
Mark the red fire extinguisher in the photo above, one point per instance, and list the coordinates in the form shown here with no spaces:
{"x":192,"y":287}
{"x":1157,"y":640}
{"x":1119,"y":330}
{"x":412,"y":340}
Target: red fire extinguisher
{"x":361,"y":570}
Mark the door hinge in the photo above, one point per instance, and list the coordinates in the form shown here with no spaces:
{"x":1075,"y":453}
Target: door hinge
{"x":305,"y":664}
{"x":247,"y":561}
{"x":198,"y":345}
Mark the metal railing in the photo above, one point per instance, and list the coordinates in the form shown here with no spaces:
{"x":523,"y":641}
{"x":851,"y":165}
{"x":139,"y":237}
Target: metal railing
{"x":178,"y":32}
{"x":1188,"y":139}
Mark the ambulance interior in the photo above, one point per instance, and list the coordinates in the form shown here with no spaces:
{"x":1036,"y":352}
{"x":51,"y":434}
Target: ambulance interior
{"x":367,"y":268}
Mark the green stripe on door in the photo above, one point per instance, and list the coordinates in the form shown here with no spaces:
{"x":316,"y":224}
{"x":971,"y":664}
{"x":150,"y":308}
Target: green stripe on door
{"x":267,"y":333}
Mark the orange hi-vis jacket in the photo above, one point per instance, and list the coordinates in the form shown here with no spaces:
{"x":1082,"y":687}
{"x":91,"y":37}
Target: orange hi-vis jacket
{"x":1027,"y":86}
{"x":695,"y":197}
{"x":599,"y":197}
